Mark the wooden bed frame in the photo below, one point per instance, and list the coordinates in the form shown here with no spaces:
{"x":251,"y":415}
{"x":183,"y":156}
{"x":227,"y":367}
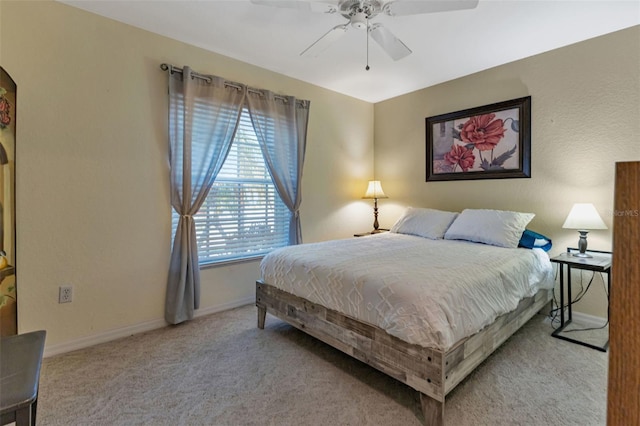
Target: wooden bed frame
{"x":433,"y":373}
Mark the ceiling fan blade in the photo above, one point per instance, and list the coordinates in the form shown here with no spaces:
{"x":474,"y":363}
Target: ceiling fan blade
{"x":391,"y":44}
{"x":324,"y":6}
{"x":325,"y":41}
{"x":415,"y":7}
{"x":309,"y":5}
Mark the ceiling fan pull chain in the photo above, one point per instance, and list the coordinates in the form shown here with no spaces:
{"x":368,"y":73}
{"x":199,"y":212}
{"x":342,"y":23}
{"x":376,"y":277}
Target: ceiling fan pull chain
{"x":367,"y":67}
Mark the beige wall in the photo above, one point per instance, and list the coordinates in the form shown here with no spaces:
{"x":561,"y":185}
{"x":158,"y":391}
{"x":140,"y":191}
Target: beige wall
{"x":585,"y":117}
{"x":92,"y":173}
{"x":93,"y":179}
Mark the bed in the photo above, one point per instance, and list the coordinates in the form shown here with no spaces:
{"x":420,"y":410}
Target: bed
{"x":419,"y":303}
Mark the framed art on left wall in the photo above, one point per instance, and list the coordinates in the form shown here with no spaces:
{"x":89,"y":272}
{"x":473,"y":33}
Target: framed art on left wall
{"x":8,"y":294}
{"x":487,"y":142}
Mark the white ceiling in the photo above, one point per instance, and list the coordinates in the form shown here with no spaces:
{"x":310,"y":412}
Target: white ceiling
{"x":445,"y":45}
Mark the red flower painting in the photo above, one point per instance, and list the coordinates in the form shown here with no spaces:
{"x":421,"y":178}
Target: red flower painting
{"x":486,"y":142}
{"x":483,"y":131}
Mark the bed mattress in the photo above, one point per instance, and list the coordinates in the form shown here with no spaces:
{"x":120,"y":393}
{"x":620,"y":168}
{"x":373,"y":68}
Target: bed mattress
{"x":432,"y":293}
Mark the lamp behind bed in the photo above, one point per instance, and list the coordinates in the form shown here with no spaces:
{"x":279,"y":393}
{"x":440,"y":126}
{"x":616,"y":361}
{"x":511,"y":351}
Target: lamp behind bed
{"x":374,"y":191}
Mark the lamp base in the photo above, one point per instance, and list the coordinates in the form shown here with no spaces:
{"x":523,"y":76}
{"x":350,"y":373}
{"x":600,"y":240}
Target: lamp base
{"x":582,"y":245}
{"x":582,"y":255}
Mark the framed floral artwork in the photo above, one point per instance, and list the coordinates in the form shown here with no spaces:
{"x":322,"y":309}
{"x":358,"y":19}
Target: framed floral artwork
{"x":8,"y":305}
{"x":487,"y":142}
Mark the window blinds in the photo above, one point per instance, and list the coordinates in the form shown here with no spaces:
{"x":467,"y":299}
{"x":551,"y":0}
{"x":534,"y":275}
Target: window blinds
{"x":243,"y":216}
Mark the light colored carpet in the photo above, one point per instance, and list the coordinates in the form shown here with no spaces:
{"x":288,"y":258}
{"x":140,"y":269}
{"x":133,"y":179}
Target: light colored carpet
{"x":222,"y":370}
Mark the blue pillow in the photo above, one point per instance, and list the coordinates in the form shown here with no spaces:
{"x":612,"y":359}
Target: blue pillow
{"x":532,"y":239}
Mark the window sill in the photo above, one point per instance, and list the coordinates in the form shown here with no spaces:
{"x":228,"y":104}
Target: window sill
{"x":229,"y":262}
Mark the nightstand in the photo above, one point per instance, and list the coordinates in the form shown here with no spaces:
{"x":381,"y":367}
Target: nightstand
{"x":599,"y":262}
{"x":364,"y":234}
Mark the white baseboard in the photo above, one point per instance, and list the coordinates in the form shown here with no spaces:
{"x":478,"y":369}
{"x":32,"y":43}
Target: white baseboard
{"x":85,"y":342}
{"x":588,"y":320}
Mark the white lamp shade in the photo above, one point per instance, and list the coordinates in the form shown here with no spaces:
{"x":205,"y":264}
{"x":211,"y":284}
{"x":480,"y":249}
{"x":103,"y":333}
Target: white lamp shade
{"x":584,"y":216}
{"x":374,"y":190}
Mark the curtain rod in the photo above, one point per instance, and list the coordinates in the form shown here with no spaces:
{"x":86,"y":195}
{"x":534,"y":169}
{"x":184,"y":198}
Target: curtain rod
{"x":207,"y":78}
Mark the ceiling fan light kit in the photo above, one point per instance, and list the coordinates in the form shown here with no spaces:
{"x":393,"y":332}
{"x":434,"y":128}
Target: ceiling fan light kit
{"x":360,"y":12}
{"x":359,"y":20}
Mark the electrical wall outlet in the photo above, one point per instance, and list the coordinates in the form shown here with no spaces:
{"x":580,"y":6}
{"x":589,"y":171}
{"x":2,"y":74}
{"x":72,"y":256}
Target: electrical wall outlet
{"x":66,"y":294}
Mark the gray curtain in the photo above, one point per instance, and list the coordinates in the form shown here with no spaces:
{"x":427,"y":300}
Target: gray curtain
{"x":280,"y":124}
{"x":203,"y":119}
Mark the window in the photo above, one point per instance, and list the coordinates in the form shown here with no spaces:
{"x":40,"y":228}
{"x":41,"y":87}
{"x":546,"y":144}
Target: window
{"x":243,"y":216}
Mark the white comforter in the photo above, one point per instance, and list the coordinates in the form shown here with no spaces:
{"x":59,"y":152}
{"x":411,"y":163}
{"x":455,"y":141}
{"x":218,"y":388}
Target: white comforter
{"x":425,"y":292}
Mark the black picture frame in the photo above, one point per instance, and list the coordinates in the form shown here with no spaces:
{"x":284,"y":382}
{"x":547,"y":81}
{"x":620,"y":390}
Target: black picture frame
{"x":487,"y":142}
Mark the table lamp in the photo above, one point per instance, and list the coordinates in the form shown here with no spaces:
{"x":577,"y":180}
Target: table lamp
{"x":374,"y":191}
{"x":583,"y":217}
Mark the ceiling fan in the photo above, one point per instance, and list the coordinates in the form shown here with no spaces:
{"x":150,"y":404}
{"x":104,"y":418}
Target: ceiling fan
{"x":360,"y":12}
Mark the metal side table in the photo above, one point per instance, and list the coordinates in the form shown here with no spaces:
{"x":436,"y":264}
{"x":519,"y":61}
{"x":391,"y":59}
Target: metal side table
{"x":599,"y":262}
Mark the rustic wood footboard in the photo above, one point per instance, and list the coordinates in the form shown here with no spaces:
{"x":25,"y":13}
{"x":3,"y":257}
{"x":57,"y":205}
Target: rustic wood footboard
{"x":431,"y":372}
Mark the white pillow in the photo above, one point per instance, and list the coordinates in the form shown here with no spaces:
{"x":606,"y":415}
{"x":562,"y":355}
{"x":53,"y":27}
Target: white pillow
{"x":494,"y":227}
{"x":427,"y":223}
